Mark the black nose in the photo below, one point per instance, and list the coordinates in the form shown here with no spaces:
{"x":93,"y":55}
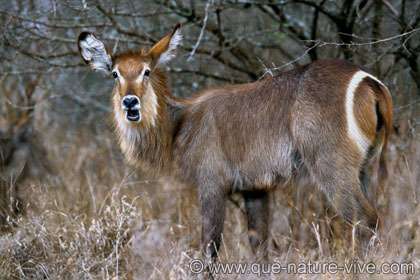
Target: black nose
{"x":130,"y":101}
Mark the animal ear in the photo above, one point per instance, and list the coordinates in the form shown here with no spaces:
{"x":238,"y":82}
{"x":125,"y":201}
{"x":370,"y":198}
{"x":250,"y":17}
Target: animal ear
{"x":94,"y":52}
{"x":164,"y":50}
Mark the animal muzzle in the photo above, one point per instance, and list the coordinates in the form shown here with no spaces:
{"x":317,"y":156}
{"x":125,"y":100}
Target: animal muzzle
{"x":131,"y":105}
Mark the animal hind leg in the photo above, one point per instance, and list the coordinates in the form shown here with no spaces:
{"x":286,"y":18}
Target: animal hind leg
{"x":341,"y":184}
{"x":258,"y":214}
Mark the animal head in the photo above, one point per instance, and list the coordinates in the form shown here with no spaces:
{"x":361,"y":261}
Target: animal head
{"x":140,"y":84}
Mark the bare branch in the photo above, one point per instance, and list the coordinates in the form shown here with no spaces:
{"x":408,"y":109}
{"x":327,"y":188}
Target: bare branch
{"x":353,"y":44}
{"x":206,"y":14}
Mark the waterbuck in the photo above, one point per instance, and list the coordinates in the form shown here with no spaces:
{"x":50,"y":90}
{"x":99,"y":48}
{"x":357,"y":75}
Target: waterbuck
{"x":328,"y":121}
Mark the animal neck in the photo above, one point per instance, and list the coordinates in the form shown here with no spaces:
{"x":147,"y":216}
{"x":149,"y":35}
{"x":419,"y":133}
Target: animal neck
{"x":149,"y":146}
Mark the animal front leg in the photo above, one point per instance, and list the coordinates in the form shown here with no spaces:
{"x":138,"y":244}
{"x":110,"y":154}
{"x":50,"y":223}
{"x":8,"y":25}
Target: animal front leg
{"x":213,"y":208}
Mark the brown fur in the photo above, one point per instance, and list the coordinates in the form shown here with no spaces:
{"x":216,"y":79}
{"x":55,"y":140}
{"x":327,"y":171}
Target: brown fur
{"x":364,"y":110}
{"x":374,"y":171}
{"x":250,"y":138}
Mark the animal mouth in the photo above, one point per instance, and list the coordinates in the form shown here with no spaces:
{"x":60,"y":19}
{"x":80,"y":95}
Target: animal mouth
{"x":133,"y":115}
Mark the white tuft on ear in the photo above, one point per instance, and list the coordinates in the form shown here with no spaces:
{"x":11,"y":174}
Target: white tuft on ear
{"x":173,"y":44}
{"x":94,"y":53}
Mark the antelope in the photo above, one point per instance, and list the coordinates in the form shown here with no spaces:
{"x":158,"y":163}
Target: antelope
{"x":328,"y":121}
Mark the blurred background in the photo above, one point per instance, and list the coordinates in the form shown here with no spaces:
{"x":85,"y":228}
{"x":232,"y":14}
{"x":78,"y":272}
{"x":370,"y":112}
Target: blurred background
{"x":71,"y":207}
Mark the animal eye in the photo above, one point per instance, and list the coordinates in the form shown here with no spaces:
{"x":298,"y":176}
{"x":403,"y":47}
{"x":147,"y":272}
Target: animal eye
{"x":147,"y":72}
{"x":115,"y":74}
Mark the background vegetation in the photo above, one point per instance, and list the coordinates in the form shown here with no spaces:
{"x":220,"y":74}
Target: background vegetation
{"x":70,"y":206}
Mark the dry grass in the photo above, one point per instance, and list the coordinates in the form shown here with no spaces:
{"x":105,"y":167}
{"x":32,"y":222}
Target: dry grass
{"x":94,"y":217}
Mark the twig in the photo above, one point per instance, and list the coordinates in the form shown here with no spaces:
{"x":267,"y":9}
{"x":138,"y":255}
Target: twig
{"x":319,"y":43}
{"x":318,"y":238}
{"x":265,"y":68}
{"x":203,"y":28}
{"x":352,"y":44}
{"x":391,"y":8}
{"x":407,"y":105}
{"x":293,"y":61}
